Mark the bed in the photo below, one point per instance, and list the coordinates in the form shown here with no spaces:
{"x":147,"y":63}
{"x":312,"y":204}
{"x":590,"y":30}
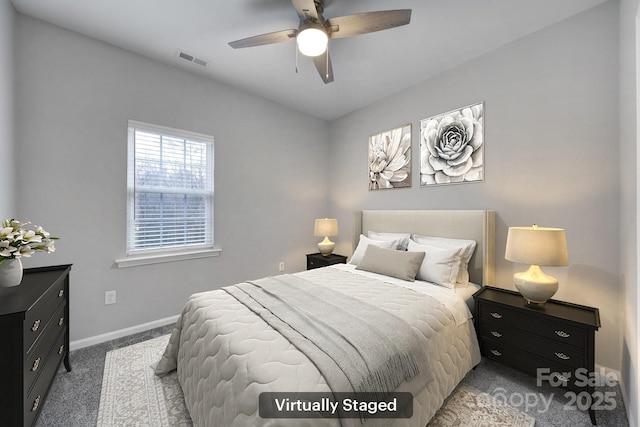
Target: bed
{"x":228,"y":352}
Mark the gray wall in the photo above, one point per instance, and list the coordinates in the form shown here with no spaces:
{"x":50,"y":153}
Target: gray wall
{"x":8,"y":204}
{"x":75,"y":95}
{"x":551,"y":154}
{"x":629,"y":176}
{"x":552,"y":157}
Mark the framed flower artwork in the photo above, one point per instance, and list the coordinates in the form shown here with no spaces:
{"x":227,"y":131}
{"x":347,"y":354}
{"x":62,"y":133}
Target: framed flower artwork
{"x":390,"y":159}
{"x":452,"y":147}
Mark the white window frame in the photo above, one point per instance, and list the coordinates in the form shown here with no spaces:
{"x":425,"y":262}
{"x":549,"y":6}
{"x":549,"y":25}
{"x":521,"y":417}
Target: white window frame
{"x":135,"y":257}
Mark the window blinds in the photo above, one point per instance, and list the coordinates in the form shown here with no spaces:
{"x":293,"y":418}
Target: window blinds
{"x":170,"y":180}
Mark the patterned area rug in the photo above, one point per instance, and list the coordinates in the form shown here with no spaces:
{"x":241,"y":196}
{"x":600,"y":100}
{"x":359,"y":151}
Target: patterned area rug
{"x":133,"y":396}
{"x":468,"y":407}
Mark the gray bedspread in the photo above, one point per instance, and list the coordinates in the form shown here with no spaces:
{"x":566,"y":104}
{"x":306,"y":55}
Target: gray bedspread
{"x":356,"y":346}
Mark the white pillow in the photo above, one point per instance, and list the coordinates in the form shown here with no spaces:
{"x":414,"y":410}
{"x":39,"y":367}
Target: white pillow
{"x":364,"y":242}
{"x":402,"y":238}
{"x":463,"y":273}
{"x":440,"y":266}
{"x":466,"y":249}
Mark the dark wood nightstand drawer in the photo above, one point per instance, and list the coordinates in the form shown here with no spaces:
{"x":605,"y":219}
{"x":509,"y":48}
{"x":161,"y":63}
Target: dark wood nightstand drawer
{"x":570,"y":356}
{"x":561,"y":332}
{"x":542,"y":369}
{"x":318,"y":260}
{"x":511,"y":356}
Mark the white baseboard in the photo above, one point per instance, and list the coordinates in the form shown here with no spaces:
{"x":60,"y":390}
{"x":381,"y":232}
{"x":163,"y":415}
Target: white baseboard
{"x":608,"y":373}
{"x":612,"y":376}
{"x":98,"y":339}
{"x":626,"y":395}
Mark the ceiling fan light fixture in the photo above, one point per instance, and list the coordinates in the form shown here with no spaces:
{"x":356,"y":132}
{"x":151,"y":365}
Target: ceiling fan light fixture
{"x":312,"y":39}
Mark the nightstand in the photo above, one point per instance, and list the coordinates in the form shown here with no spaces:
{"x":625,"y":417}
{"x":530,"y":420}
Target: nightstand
{"x":553,"y":342}
{"x":318,"y":260}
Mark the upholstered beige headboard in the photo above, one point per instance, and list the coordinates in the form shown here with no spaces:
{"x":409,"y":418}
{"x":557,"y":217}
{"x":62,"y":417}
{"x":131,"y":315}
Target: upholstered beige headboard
{"x":478,"y":225}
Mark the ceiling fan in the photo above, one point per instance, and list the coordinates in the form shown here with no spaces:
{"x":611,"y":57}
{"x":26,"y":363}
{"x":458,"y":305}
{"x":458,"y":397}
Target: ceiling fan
{"x":314,"y":31}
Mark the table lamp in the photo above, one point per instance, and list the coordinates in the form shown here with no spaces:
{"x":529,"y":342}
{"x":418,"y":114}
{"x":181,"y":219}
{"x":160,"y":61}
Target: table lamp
{"x":326,"y":227}
{"x":537,"y":246}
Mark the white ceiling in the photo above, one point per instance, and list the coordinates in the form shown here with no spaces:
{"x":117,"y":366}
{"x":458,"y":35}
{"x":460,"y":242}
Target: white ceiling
{"x":442,"y":34}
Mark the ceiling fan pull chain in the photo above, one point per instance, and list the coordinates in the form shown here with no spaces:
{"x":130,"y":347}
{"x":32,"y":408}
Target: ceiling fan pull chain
{"x":296,"y":59}
{"x":327,"y":64}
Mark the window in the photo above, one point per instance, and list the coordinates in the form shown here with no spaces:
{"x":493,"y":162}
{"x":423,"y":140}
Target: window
{"x":170,"y":194}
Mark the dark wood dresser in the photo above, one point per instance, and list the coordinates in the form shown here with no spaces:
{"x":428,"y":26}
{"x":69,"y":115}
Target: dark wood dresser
{"x":558,"y":338}
{"x":35,"y":340}
{"x":318,"y":260}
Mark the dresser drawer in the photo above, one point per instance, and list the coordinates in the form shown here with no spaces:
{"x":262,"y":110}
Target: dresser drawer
{"x":39,"y":314}
{"x":512,"y":356}
{"x":540,"y":368}
{"x":551,"y":350}
{"x":560,"y":332}
{"x":35,"y":397}
{"x":35,"y":361}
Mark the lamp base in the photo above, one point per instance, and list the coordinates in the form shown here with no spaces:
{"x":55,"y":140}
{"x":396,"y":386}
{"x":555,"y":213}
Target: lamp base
{"x":535,"y":286}
{"x":326,"y":246}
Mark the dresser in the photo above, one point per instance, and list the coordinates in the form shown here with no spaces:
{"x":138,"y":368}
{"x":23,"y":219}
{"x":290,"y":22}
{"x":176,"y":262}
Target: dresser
{"x":318,"y":260}
{"x":553,"y":342}
{"x":34,"y":333}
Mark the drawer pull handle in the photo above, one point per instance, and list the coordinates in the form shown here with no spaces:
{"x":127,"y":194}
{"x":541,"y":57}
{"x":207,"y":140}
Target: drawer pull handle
{"x":36,"y":325}
{"x":562,"y":356}
{"x":61,"y":321}
{"x":61,"y":293}
{"x":36,"y":403}
{"x":496,"y":334}
{"x":562,"y":334}
{"x":61,"y":349}
{"x":36,"y":364}
{"x":496,"y":353}
{"x":562,"y":378}
{"x":496,"y":315}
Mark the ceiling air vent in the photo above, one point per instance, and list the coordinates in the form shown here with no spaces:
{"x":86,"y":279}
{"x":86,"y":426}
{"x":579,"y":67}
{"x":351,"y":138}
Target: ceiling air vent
{"x":190,"y":58}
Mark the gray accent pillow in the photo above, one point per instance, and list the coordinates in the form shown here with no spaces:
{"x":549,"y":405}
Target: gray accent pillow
{"x":399,"y":264}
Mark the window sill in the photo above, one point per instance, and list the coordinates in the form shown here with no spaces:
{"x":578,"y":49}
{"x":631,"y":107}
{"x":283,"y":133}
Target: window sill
{"x":135,"y":261}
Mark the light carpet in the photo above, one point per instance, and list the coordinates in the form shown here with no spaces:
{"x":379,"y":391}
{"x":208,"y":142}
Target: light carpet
{"x":133,"y":396}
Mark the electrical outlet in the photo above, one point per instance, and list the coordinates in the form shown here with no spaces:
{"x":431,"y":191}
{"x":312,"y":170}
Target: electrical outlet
{"x":109,"y":297}
{"x":281,"y":266}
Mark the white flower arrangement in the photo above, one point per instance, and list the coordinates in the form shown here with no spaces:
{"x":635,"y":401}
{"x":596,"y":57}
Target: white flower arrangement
{"x":17,"y":241}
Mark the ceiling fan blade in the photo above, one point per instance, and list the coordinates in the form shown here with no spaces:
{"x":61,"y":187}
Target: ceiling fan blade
{"x":269,"y":38}
{"x":323,"y":65}
{"x":306,"y":9}
{"x":368,"y":22}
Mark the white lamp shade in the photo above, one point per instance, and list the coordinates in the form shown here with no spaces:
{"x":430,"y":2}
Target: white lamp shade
{"x":312,"y":41}
{"x":326,"y":227}
{"x":537,"y":246}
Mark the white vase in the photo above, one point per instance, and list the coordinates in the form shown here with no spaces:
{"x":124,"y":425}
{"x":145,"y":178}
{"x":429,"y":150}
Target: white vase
{"x":10,"y":272}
